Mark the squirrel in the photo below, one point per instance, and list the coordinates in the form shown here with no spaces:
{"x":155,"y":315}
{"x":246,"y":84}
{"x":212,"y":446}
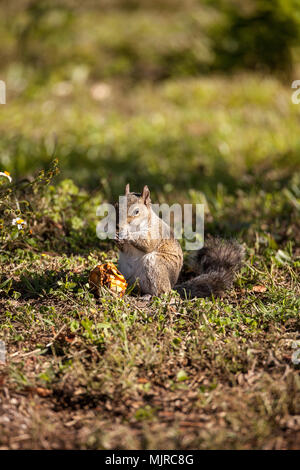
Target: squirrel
{"x":153,"y":257}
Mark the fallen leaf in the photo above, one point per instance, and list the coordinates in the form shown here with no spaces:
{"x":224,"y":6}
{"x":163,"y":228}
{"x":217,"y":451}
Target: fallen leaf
{"x":70,"y":338}
{"x":190,"y":424}
{"x":43,"y":392}
{"x":2,"y":380}
{"x":141,"y":380}
{"x":259,"y":289}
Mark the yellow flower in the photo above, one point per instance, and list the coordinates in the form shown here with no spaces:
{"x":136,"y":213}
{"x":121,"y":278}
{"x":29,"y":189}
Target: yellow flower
{"x":19,"y":222}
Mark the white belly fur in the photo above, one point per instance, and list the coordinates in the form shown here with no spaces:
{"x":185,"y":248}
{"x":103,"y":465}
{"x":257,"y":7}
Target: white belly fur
{"x":134,"y":265}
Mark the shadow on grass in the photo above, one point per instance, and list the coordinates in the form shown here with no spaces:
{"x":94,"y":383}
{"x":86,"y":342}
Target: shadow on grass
{"x":66,"y":399}
{"x":50,"y":283}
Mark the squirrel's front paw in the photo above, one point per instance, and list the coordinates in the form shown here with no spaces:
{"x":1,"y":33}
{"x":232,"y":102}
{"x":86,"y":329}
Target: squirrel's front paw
{"x":125,"y":236}
{"x":119,"y":241}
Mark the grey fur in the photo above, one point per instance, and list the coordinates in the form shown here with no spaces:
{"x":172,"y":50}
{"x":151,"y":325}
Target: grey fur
{"x":155,"y":261}
{"x":216,"y":264}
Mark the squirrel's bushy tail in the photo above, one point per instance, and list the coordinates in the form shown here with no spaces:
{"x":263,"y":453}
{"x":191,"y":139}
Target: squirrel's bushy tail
{"x":216,"y":264}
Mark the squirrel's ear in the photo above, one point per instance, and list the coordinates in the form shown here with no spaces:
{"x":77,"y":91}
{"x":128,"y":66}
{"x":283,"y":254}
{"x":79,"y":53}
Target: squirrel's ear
{"x":146,"y":195}
{"x":127,"y":189}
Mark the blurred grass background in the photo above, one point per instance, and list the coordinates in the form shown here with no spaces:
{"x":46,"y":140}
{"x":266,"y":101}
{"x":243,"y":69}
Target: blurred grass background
{"x":180,"y":95}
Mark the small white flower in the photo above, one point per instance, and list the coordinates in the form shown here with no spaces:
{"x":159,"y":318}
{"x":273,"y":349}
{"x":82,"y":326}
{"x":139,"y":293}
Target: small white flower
{"x":19,"y":222}
{"x":6,"y":174}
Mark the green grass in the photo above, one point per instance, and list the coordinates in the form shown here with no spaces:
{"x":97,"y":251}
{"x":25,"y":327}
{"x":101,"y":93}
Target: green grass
{"x":170,"y":373}
{"x":125,"y":373}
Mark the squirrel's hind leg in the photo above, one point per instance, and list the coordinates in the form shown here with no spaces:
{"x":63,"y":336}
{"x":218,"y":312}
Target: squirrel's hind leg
{"x":155,"y":278}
